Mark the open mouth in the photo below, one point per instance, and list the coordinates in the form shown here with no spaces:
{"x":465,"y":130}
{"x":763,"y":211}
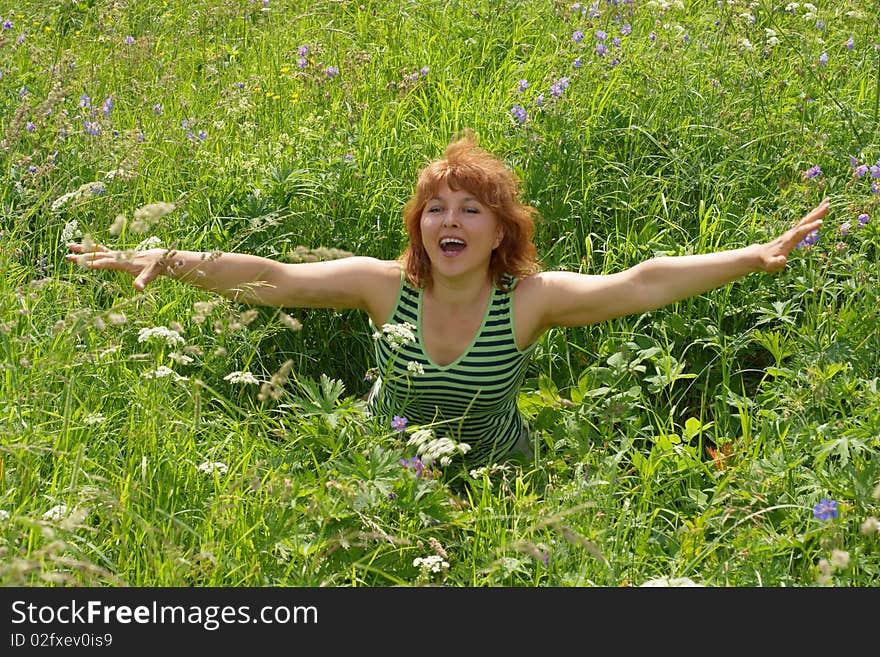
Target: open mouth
{"x":452,"y":245}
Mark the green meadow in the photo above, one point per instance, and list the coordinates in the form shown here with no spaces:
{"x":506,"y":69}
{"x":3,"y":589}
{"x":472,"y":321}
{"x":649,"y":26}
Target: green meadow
{"x":172,"y":437}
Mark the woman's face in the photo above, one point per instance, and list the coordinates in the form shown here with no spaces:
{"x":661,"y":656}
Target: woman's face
{"x":458,"y":232}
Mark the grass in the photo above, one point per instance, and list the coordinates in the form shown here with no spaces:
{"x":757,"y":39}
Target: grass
{"x":693,"y":441}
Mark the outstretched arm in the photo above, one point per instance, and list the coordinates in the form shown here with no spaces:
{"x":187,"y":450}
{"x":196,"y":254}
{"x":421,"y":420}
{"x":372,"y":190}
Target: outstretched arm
{"x":571,"y":299}
{"x":354,"y":282}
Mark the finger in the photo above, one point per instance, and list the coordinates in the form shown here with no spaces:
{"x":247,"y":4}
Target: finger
{"x":816,"y":213}
{"x":147,"y":276}
{"x":80,"y":248}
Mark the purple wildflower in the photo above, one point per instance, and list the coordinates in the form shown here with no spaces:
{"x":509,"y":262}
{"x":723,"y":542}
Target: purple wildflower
{"x":202,"y":135}
{"x":539,"y":100}
{"x":302,"y":62}
{"x":7,"y":24}
{"x":157,"y":109}
{"x":823,"y":59}
{"x":302,"y":51}
{"x":129,"y":40}
{"x":625,"y":30}
{"x":332,"y":71}
{"x":519,"y":113}
{"x":875,"y":170}
{"x":860,"y":170}
{"x":809,"y":240}
{"x":812,"y":172}
{"x":577,"y":36}
{"x":615,"y":42}
{"x":577,"y":62}
{"x":413,"y":463}
{"x":107,"y":107}
{"x":601,"y":49}
{"x":92,"y":127}
{"x":652,"y":36}
{"x":424,"y":70}
{"x":398,"y":423}
{"x":863,"y":219}
{"x":601,"y":35}
{"x":850,"y":44}
{"x":85,"y":102}
{"x":843,"y":229}
{"x":522,"y":85}
{"x":825,"y":510}
{"x":29,"y":126}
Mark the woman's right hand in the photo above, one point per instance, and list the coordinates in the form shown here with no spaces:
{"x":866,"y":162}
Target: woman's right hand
{"x":145,"y":266}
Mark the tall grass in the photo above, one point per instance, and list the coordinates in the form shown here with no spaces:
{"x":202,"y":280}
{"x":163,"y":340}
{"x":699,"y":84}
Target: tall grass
{"x":706,"y":440}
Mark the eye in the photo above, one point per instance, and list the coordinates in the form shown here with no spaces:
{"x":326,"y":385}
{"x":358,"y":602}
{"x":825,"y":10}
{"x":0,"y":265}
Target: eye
{"x":472,"y":210}
{"x":433,"y":208}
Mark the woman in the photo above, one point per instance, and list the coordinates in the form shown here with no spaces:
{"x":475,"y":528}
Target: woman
{"x":462,"y":309}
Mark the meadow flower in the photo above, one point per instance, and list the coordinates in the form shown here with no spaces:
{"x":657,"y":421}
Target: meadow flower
{"x":424,"y":70}
{"x":157,"y":109}
{"x":862,"y":219}
{"x":825,"y":510}
{"x":129,"y":40}
{"x":813,"y":172}
{"x":70,"y":231}
{"x":94,"y":418}
{"x":522,"y":85}
{"x":29,"y":126}
{"x":161,"y":372}
{"x":415,"y":464}
{"x":171,"y":337}
{"x":665,"y":582}
{"x":7,"y":24}
{"x":577,"y":62}
{"x":332,"y":71}
{"x":577,"y":36}
{"x":601,"y":35}
{"x":85,"y":102}
{"x":601,"y":49}
{"x":398,"y":423}
{"x":107,"y":107}
{"x":809,"y":240}
{"x":56,"y":513}
{"x":625,"y":29}
{"x":519,"y":113}
{"x":241,"y":377}
{"x":415,"y":368}
{"x":212,"y":467}
{"x":92,"y":128}
{"x":823,"y":59}
{"x":843,"y":229}
{"x":152,"y":242}
{"x":4,"y":515}
{"x":431,"y":564}
{"x":397,"y":335}
{"x":850,"y":44}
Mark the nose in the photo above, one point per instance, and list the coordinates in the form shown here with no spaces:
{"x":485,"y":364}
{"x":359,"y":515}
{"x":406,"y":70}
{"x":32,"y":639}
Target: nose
{"x":449,"y":219}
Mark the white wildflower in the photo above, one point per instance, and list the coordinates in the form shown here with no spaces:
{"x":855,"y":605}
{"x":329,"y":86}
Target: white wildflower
{"x":211,"y":467}
{"x":94,"y":418}
{"x":671,"y":582}
{"x":431,"y":564}
{"x":56,"y":513}
{"x":4,"y":515}
{"x":430,"y":449}
{"x":241,"y":377}
{"x":397,"y":335}
{"x":172,"y":338}
{"x":161,"y":372}
{"x":746,"y":45}
{"x":70,"y":231}
{"x":415,"y":368}
{"x":152,"y":242}
{"x":70,"y":198}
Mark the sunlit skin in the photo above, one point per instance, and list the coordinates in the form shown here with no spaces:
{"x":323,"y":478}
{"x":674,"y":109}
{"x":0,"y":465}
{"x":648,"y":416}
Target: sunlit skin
{"x":455,"y":304}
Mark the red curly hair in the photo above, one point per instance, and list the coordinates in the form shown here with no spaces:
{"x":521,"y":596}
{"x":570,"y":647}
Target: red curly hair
{"x":466,"y":166}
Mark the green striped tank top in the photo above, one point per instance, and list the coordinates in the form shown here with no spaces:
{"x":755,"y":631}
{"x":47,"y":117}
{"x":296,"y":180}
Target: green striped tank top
{"x":472,"y":400}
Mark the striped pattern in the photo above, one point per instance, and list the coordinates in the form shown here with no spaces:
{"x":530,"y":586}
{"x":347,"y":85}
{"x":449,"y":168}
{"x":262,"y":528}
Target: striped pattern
{"x":472,"y":400}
